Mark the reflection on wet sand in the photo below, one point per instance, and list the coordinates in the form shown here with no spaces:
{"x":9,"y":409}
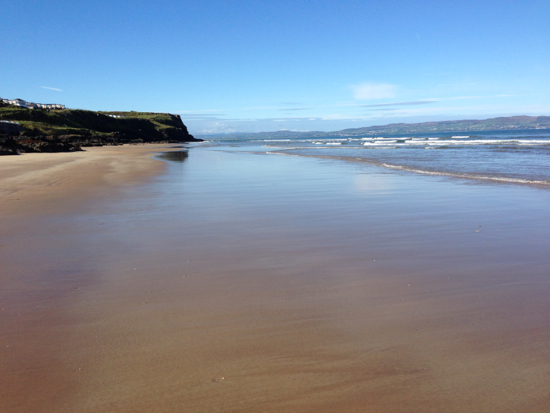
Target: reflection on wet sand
{"x":174,"y":156}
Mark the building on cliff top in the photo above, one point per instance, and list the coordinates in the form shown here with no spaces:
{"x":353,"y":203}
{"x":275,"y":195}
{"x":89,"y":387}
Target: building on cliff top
{"x":30,"y":105}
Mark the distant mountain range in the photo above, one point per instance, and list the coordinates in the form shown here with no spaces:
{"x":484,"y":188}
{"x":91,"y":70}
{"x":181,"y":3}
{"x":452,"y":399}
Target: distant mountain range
{"x":469,"y":125}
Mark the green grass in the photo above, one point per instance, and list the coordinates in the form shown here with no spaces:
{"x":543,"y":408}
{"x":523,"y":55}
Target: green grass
{"x":135,"y":126}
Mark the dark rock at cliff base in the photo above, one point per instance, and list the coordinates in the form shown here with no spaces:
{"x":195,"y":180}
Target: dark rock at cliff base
{"x":9,"y":128}
{"x":13,"y":146}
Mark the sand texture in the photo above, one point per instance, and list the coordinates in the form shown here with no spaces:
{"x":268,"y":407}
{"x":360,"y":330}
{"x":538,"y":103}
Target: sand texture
{"x":252,"y":283}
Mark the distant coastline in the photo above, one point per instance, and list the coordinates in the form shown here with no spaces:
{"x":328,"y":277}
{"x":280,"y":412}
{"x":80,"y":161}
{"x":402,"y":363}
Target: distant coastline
{"x":468,"y":125}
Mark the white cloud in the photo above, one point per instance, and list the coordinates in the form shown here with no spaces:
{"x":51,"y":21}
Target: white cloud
{"x":365,"y":91}
{"x":336,"y":121}
{"x":51,"y":88}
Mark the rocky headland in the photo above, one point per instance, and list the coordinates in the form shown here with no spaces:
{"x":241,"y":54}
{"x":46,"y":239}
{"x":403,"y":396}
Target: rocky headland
{"x":66,"y":130}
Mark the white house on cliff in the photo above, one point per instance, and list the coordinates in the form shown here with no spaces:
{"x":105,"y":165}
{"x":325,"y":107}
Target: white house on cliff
{"x":30,"y":105}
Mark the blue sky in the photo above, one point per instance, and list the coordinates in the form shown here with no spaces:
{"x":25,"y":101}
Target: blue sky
{"x":229,"y":66}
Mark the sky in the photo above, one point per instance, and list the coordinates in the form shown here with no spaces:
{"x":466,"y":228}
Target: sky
{"x":251,"y":66}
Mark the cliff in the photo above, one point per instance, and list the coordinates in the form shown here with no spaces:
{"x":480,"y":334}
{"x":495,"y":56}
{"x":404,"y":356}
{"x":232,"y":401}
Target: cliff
{"x":40,"y":130}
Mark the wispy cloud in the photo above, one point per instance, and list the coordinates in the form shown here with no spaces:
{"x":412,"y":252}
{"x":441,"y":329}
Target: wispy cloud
{"x":417,"y":102}
{"x":463,"y":111}
{"x":51,"y":88}
{"x":466,"y":97}
{"x":201,"y":115}
{"x":293,"y":119}
{"x":365,"y":91}
{"x":381,"y":115}
{"x":199,"y":111}
{"x":346,"y":111}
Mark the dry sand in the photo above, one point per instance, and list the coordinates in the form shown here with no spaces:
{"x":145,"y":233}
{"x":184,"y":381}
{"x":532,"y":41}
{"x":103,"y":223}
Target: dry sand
{"x":104,"y":312}
{"x":58,"y":182}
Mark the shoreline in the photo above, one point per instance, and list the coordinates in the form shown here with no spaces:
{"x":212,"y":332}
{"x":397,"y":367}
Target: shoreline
{"x":541,"y":184}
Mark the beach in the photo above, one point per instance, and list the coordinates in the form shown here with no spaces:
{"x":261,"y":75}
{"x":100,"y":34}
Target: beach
{"x":224,"y":281}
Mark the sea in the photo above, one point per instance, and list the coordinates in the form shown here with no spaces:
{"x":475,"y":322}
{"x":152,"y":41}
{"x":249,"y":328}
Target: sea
{"x":513,"y":157}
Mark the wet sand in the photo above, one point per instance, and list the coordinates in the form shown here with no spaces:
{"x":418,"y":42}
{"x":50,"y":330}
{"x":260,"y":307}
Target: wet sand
{"x":253,"y":283}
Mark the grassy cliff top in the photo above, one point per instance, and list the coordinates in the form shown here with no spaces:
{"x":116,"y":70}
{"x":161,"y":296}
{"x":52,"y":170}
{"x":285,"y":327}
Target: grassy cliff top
{"x":89,"y":123}
{"x":76,"y":127}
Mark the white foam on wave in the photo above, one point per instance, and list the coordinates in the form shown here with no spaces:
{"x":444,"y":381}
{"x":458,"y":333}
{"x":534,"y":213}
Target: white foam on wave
{"x":285,"y":148}
{"x":277,"y":140}
{"x":416,"y":143}
{"x":459,"y":137}
{"x":455,"y":141}
{"x":387,"y":142}
{"x":448,"y":141}
{"x":484,"y":142}
{"x":436,"y":142}
{"x":533,"y":142}
{"x":467,"y":176}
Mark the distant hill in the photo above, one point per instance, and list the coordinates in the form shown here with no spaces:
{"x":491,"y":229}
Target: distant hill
{"x":41,"y":130}
{"x":267,"y":135}
{"x":470,"y":125}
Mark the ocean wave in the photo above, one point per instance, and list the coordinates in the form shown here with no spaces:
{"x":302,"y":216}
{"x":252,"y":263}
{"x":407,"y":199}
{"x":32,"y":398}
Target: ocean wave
{"x":379,"y":143}
{"x":486,"y":142}
{"x":277,"y":140}
{"x":467,"y":175}
{"x":404,"y":168}
{"x":286,"y":148}
{"x":534,"y":142}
